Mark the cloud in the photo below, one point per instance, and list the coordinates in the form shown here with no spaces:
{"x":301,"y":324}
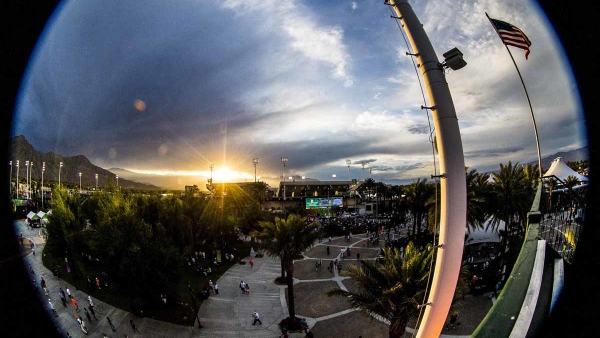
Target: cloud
{"x":354,"y":5}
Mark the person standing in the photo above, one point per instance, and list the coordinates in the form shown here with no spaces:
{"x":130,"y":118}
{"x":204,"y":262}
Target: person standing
{"x":135,"y":330}
{"x":247,"y":289}
{"x":216,"y":289}
{"x":111,"y":324}
{"x":242,"y":285}
{"x":211,"y":285}
{"x":358,"y":256}
{"x":328,"y":250}
{"x":87,"y":314}
{"x":69,"y":293}
{"x":256,"y":318}
{"x":251,"y":262}
{"x":90,"y":301}
{"x":97,"y":283}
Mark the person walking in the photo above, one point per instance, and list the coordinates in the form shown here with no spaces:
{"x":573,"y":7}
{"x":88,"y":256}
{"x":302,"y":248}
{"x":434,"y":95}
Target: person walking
{"x":43,"y":283}
{"x":62,"y":298}
{"x":69,"y":293}
{"x":358,"y":256}
{"x":87,"y":314}
{"x":90,"y":301}
{"x":328,"y":250}
{"x":111,"y":324}
{"x":247,"y":289}
{"x":242,"y":285}
{"x":97,"y":283}
{"x":33,"y":250}
{"x":135,"y":330}
{"x":251,"y":262}
{"x":256,"y":318}
{"x":93,"y":312}
{"x":216,"y":289}
{"x":74,"y":302}
{"x":52,"y":308}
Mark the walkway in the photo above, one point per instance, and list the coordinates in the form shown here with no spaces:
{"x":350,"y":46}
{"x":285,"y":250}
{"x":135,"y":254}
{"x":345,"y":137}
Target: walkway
{"x":229,"y":314}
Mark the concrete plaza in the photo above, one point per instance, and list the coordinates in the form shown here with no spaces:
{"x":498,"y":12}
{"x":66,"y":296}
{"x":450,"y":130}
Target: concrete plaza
{"x":229,"y":314}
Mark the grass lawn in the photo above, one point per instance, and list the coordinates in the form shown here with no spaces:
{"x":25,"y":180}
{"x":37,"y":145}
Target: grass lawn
{"x":181,"y":313}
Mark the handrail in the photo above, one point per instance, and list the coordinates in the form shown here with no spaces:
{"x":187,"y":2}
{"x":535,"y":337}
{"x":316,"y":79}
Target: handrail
{"x":500,"y":320}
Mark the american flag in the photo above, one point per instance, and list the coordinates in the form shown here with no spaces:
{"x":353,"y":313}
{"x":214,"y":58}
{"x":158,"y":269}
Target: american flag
{"x":511,"y":35}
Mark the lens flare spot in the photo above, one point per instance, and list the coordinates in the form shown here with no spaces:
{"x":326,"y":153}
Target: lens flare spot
{"x":163,"y":149}
{"x":139,"y":105}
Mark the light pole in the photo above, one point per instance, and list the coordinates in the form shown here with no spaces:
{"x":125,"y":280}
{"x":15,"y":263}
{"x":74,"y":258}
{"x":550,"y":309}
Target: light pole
{"x":30,"y":189}
{"x":59,"y":170}
{"x":10,"y":179}
{"x":117,"y":177}
{"x":43,"y":169}
{"x":17,"y":179}
{"x":363,"y":169}
{"x":284,"y":160}
{"x":96,"y":182}
{"x":348,"y":162}
{"x":80,"y":183}
{"x":370,"y":172}
{"x":255,"y":162}
{"x":27,"y":179}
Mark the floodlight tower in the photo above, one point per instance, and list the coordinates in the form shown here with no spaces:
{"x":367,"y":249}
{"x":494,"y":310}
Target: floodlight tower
{"x":29,"y":188}
{"x":255,"y":162}
{"x":27,"y":179}
{"x":284,"y":161}
{"x":59,"y":170}
{"x":80,"y":183}
{"x":10,"y":179}
{"x":43,"y":169}
{"x":17,"y":179}
{"x":96,"y":182}
{"x":348,"y":162}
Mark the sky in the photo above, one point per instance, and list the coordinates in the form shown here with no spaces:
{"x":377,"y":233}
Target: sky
{"x":171,"y":87}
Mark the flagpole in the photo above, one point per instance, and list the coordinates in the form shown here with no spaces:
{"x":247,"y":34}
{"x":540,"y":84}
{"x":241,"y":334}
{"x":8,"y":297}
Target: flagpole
{"x":537,"y":140}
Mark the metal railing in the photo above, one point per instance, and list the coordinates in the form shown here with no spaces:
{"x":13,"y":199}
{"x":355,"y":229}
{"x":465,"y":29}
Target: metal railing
{"x":563,"y":210}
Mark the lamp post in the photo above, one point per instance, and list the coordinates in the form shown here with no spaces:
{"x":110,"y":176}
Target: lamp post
{"x":29,"y":188}
{"x":255,"y":162}
{"x":17,"y":179}
{"x":284,"y":160}
{"x":43,"y":169}
{"x":79,"y":183}
{"x":27,"y":179}
{"x":59,"y":170}
{"x":96,"y":182}
{"x":10,"y":179}
{"x":363,"y":169}
{"x":348,"y":162}
{"x":117,"y":177}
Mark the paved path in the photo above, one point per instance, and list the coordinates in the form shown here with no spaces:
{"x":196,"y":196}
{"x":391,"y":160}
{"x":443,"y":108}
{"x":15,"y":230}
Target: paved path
{"x":228,"y":314}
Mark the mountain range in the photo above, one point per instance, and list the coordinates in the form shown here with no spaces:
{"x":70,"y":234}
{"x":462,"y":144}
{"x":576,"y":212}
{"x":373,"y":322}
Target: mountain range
{"x":22,"y":150}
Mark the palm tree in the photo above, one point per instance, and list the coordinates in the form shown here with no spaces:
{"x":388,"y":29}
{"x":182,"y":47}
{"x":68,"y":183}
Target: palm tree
{"x":476,"y":198}
{"x":510,"y":194}
{"x":287,"y":238}
{"x":417,"y":195}
{"x":391,"y":291}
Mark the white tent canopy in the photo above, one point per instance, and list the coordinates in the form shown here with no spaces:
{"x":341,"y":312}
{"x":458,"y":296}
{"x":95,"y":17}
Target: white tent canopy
{"x":484,"y":236}
{"x":561,"y":170}
{"x":32,"y":215}
{"x":41,"y":214}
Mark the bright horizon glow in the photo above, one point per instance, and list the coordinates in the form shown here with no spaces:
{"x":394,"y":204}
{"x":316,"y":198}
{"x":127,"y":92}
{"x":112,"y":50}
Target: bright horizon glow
{"x":224,"y":175}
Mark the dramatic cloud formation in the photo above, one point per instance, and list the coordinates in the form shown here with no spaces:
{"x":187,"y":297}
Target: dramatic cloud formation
{"x":172,"y":87}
